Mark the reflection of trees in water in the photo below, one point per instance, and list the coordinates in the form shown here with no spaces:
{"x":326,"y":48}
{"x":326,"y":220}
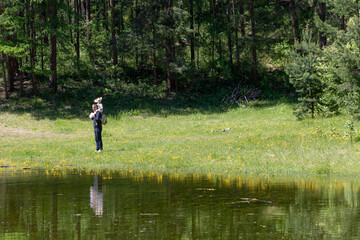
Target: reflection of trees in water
{"x":326,"y":212}
{"x":166,"y":207}
{"x":96,"y":198}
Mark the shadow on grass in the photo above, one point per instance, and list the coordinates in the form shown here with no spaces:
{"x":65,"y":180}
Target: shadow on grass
{"x":75,"y":103}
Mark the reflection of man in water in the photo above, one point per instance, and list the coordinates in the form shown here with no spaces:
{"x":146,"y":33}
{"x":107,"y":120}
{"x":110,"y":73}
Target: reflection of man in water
{"x":96,"y":198}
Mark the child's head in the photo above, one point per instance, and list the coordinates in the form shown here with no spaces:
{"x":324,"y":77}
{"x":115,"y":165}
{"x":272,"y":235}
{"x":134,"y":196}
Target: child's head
{"x":98,"y":100}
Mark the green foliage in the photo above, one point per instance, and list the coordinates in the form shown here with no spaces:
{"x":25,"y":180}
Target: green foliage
{"x":305,"y":75}
{"x":350,"y":132}
{"x":280,"y":53}
{"x":341,"y":66}
{"x":153,"y":42}
{"x":142,"y":30}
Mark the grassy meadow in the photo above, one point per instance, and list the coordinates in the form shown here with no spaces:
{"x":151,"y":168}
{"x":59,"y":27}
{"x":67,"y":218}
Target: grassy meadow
{"x":265,"y":140}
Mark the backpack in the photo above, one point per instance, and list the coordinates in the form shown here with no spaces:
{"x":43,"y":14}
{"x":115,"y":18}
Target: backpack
{"x":103,"y":119}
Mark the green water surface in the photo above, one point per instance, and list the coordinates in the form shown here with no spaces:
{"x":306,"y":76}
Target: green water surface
{"x":125,"y":205}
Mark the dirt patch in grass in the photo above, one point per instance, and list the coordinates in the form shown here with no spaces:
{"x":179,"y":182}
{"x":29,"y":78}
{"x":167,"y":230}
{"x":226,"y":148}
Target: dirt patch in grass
{"x":6,"y":131}
{"x":10,"y":131}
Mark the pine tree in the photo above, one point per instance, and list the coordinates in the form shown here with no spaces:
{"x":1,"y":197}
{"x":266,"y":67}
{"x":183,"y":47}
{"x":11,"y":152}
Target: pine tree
{"x":342,"y":68}
{"x":305,"y":75}
{"x":341,"y":57}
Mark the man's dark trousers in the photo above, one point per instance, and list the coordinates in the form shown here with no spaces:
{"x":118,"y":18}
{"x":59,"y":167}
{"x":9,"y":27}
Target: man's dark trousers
{"x":97,"y":130}
{"x":98,"y":139}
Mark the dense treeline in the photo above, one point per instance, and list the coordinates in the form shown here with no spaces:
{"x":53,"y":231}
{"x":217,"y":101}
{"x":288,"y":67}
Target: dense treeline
{"x":187,"y":45}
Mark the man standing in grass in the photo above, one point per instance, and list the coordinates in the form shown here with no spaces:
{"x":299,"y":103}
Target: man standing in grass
{"x":96,"y":117}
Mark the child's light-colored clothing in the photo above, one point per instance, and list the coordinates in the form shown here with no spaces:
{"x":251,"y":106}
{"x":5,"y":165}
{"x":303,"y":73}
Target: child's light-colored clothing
{"x":100,"y":107}
{"x":99,"y":104}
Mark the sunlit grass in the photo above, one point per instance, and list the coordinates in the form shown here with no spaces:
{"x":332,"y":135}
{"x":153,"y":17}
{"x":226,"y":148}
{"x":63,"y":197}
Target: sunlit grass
{"x":262,"y":141}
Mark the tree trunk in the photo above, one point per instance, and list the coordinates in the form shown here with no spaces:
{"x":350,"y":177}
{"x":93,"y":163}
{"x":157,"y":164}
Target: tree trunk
{"x":198,"y":37}
{"x":43,"y":19}
{"x":33,"y":79}
{"x":77,"y":35}
{"x":322,"y":16}
{"x":212,"y":6}
{"x":42,"y":51}
{"x":21,"y":75}
{"x":11,"y":72}
{"x":4,"y":75}
{"x":212,"y":51}
{"x":3,"y":70}
{"x":32,"y":50}
{"x":43,"y":37}
{"x":219,"y":18}
{"x":242,"y":21}
{"x":113,"y":33}
{"x":192,"y":39}
{"x":82,"y":4}
{"x":136,"y":36}
{"x":253,"y":34}
{"x":70,"y":21}
{"x":236,"y":34}
{"x":53,"y":52}
{"x":122,"y":28}
{"x":294,"y":22}
{"x":220,"y":49}
{"x":170,"y":47}
{"x":343,"y":23}
{"x":87,"y":20}
{"x":154,"y":51}
{"x":228,"y":12}
{"x":21,"y":79}
{"x":174,"y":79}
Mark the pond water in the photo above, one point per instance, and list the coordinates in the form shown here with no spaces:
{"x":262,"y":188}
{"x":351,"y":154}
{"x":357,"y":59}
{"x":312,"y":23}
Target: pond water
{"x":125,"y":205}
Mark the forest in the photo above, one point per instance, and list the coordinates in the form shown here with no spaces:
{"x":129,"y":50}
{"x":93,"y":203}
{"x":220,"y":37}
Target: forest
{"x":306,"y":49}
